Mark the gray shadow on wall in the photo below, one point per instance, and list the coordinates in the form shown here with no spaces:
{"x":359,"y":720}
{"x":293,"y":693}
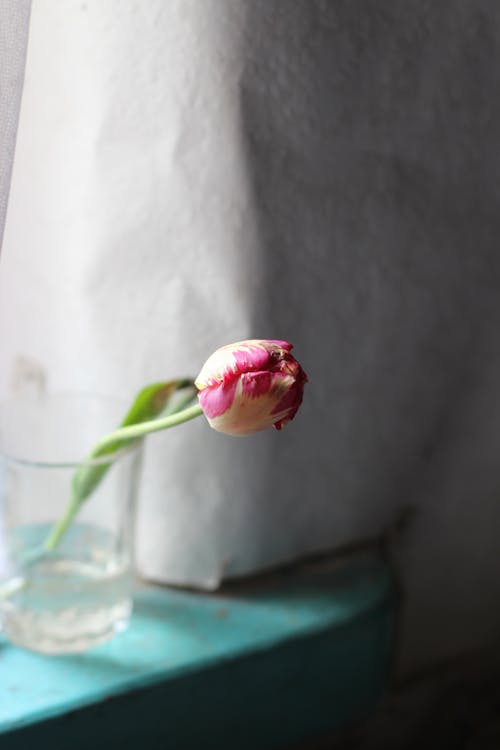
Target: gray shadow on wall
{"x":371,"y":144}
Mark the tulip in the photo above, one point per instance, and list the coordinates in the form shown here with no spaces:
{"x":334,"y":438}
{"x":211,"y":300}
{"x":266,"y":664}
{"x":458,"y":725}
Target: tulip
{"x":242,"y":388}
{"x":251,"y":385}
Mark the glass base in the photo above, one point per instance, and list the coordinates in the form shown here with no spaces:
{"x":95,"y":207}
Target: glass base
{"x":62,"y":605}
{"x":67,"y":631}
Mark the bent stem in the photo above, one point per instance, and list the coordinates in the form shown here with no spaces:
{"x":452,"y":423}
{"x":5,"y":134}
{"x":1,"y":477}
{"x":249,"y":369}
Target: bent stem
{"x":144,"y":428}
{"x":62,"y":525}
{"x":123,"y":435}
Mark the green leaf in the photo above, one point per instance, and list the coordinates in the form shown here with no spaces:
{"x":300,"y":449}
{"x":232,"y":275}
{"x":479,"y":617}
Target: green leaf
{"x":151,"y":402}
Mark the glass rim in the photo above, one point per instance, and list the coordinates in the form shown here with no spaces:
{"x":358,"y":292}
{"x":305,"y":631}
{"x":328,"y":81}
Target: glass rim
{"x":12,"y":457}
{"x":109,"y":458}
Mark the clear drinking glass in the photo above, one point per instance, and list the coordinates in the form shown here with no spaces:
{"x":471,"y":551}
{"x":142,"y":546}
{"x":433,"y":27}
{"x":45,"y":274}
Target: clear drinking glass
{"x":79,"y":594}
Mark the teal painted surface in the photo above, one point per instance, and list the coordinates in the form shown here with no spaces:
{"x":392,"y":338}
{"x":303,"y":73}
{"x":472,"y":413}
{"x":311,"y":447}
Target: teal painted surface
{"x":272,"y":663}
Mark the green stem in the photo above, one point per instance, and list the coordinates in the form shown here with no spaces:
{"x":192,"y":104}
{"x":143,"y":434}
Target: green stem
{"x":62,"y":525}
{"x":121,"y":434}
{"x":144,"y":428}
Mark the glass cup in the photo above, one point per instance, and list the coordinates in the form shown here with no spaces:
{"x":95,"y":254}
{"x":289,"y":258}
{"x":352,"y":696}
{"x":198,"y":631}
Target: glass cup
{"x":68,"y":596}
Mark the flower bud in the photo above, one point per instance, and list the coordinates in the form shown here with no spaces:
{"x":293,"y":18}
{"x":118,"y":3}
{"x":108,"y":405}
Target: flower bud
{"x":250,"y":385}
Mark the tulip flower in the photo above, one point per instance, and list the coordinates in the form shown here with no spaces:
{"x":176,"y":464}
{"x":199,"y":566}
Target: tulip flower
{"x":242,"y":388}
{"x":251,"y":385}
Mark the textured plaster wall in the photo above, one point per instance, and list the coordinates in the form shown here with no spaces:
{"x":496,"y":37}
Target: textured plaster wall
{"x":372,"y":131}
{"x":194,"y":172}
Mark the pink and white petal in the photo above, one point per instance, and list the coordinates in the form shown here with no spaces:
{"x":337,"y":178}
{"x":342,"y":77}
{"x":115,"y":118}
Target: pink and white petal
{"x":217,"y":399}
{"x":292,"y":399}
{"x":253,"y":404}
{"x":243,"y":356}
{"x":221,"y":366}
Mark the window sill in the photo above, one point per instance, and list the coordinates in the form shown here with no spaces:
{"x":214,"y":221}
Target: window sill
{"x":260,"y":665}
